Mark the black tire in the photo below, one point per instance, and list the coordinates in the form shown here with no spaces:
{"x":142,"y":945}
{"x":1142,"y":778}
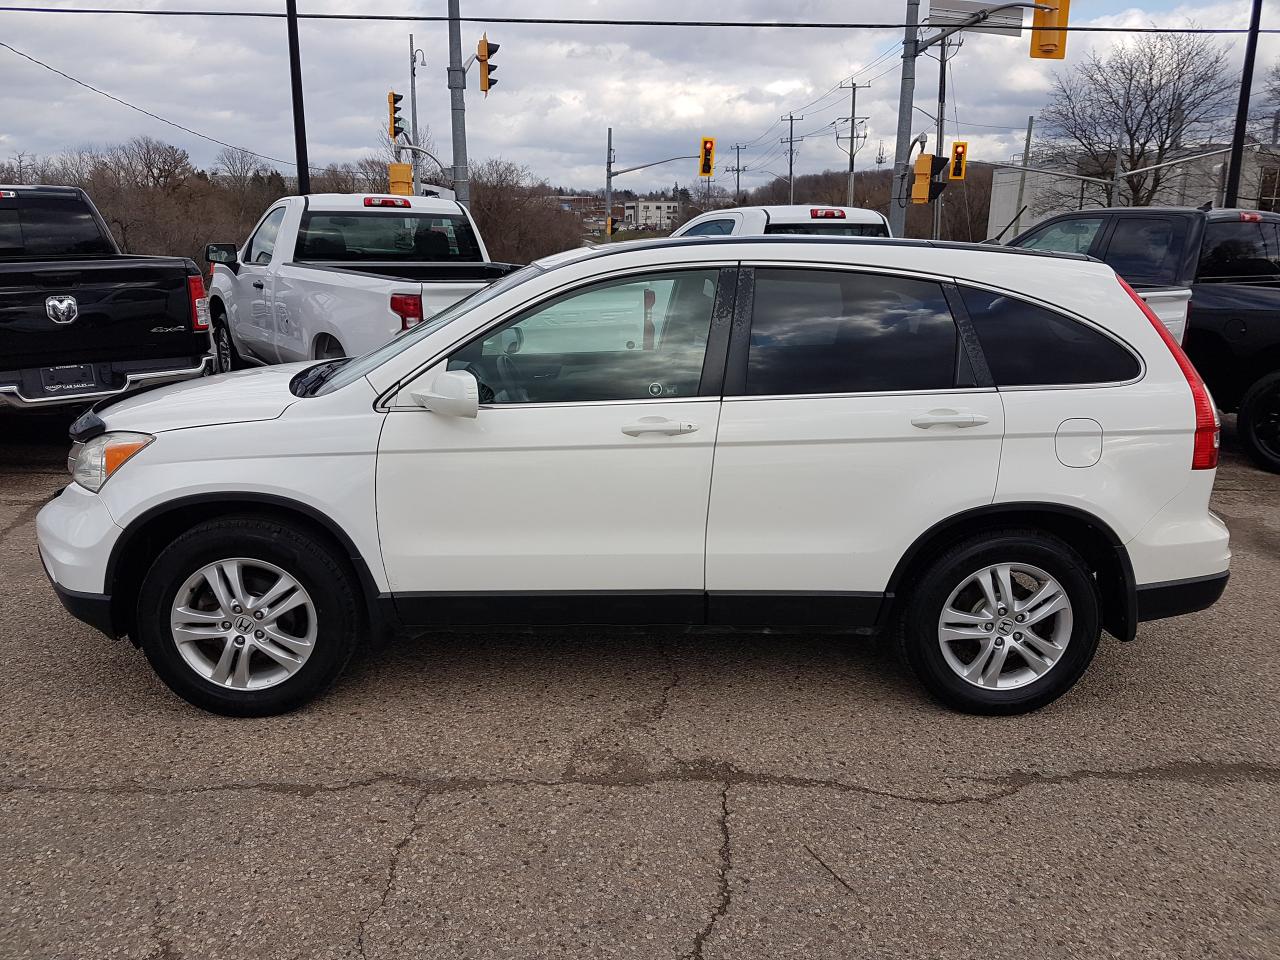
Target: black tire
{"x":918,"y":628}
{"x":225,"y":356}
{"x":309,"y":560}
{"x":1258,"y":422}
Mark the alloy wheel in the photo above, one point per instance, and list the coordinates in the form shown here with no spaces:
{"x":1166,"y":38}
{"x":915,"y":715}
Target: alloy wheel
{"x":243,"y":624}
{"x":1005,"y":626}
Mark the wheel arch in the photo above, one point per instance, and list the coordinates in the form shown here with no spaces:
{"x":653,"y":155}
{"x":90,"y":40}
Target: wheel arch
{"x":1091,"y":536}
{"x":149,"y":533}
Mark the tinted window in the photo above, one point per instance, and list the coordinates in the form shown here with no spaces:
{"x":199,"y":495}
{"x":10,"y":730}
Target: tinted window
{"x":1146,"y":249}
{"x":1025,"y":344}
{"x":816,"y":331}
{"x":372,"y":236}
{"x":633,"y":339}
{"x":263,"y":242}
{"x":712,"y":228}
{"x":830,"y":228}
{"x":52,"y":227}
{"x":1065,"y":236}
{"x":1240,"y":252}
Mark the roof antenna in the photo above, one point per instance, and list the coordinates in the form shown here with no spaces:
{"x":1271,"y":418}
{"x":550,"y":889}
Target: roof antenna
{"x":1206,"y":206}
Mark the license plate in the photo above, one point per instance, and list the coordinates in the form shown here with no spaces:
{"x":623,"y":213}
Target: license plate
{"x":68,"y":378}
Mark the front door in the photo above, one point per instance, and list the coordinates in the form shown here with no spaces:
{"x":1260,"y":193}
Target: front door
{"x":852,"y":422}
{"x":579,"y":493}
{"x":254,"y":326}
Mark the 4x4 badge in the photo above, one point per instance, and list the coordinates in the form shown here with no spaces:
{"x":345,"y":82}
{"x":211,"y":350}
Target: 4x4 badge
{"x":61,"y":309}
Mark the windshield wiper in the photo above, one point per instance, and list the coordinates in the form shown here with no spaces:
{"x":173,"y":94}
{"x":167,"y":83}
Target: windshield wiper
{"x":312,"y":379}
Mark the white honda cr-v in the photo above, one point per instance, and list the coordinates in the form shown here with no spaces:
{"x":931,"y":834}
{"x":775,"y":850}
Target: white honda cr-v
{"x":994,"y":453}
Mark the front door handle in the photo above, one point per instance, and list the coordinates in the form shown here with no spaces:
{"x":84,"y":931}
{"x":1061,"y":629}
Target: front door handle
{"x":948,"y":418}
{"x":670,"y":428}
{"x":258,"y":285}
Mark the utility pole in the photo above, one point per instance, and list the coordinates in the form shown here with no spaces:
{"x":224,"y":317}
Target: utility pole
{"x":1022,"y":177}
{"x":854,"y":145}
{"x":413,"y":106}
{"x":458,"y":105}
{"x":906,"y":101}
{"x":295,"y":81}
{"x":1242,"y":109}
{"x":939,"y":144}
{"x":790,"y":140}
{"x":608,"y":187}
{"x":736,"y":170}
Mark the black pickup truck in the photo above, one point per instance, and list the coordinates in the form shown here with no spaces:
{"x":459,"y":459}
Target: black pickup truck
{"x":79,"y":320}
{"x":1230,"y":261}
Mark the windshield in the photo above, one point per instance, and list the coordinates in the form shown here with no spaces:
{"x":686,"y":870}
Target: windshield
{"x":376,"y":236}
{"x":361,"y":366}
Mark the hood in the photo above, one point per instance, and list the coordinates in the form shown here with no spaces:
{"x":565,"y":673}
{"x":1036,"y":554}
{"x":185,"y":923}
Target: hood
{"x":236,"y":397}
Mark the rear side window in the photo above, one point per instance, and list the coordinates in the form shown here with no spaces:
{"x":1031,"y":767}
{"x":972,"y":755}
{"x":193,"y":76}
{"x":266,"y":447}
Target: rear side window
{"x":1065,"y":236}
{"x":1026,"y":345}
{"x":818,"y":331}
{"x":830,"y":228}
{"x":712,"y":228}
{"x":1236,"y":251}
{"x":43,"y":226}
{"x":1147,"y":250}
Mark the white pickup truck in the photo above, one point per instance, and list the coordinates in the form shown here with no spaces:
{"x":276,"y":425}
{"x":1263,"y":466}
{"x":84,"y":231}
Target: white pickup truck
{"x":333,"y":275}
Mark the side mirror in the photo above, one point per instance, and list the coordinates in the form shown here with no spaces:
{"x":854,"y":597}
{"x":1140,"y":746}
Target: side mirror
{"x":455,"y":393}
{"x":224,"y":253}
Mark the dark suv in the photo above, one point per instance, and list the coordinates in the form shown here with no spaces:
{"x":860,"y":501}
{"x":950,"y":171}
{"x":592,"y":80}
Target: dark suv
{"x":1230,"y":260}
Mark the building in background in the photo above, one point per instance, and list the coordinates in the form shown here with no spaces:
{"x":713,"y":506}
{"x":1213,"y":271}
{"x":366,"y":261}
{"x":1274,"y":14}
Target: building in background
{"x":651,"y":214}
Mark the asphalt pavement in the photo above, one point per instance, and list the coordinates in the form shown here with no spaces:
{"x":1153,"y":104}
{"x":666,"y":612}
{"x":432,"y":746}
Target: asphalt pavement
{"x":608,"y":793}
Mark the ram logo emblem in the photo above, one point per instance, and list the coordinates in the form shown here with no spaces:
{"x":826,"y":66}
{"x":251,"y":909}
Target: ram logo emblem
{"x":62,"y":309}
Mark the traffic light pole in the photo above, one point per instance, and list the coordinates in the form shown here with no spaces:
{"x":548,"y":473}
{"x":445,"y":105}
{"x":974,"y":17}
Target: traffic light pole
{"x":608,"y":186}
{"x":413,"y":106}
{"x":458,"y":105}
{"x":299,"y":113}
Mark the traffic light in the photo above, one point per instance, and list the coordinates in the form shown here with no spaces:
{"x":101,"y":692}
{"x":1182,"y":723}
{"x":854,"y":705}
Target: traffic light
{"x":485,"y":50}
{"x":395,"y":122}
{"x":707,"y":157}
{"x":400,"y":179}
{"x":959,"y":159}
{"x":925,"y":188}
{"x":1048,"y":36}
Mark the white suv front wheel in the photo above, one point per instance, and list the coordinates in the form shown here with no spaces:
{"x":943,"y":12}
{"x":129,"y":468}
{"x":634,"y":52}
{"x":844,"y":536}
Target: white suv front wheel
{"x":1002,"y":623}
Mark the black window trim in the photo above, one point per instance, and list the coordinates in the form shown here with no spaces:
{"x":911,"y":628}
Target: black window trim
{"x":1060,"y":311}
{"x":710,"y":384}
{"x":735,"y":378}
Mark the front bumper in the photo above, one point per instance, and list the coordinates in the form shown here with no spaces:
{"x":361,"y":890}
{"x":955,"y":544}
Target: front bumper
{"x":1176,"y":597}
{"x":76,"y":533}
{"x":20,"y":394}
{"x":91,"y":608}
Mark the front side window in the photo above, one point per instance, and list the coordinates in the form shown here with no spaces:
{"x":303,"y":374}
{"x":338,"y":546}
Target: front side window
{"x":712,"y":228}
{"x":372,"y":236}
{"x":633,"y":339}
{"x":263,"y":242}
{"x":1027,"y":345}
{"x":1240,"y":251}
{"x":1065,"y":236}
{"x":1146,"y":250}
{"x":818,"y":331}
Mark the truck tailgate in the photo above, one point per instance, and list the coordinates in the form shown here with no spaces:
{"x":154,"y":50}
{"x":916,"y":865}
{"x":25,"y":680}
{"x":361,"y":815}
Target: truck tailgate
{"x":125,"y":308}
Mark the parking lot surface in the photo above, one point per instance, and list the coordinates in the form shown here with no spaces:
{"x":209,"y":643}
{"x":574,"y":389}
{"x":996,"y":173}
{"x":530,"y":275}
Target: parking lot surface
{"x":602,"y":793}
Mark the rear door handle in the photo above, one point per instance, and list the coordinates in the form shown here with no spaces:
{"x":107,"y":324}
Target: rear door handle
{"x":948,"y":418}
{"x":670,"y":428}
{"x":258,"y":284}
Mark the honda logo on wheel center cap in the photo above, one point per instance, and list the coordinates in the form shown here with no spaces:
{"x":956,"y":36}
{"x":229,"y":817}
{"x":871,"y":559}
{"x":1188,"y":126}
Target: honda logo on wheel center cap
{"x":244,"y":624}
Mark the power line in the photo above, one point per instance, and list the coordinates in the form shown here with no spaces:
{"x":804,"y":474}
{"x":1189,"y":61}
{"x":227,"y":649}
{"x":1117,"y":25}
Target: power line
{"x":145,"y":112}
{"x":582,"y":21}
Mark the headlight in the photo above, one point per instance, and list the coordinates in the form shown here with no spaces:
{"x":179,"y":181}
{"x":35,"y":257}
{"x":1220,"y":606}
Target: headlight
{"x":93,"y":462}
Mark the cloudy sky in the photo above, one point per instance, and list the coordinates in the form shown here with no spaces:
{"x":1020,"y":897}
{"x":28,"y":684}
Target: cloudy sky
{"x":660,"y":88}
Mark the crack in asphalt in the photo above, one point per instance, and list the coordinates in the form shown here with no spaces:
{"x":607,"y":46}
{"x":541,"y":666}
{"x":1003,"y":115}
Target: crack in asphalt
{"x":725,"y":896}
{"x":26,"y":516}
{"x":393,"y":869}
{"x":827,"y":867}
{"x":164,"y":946}
{"x":703,"y":772}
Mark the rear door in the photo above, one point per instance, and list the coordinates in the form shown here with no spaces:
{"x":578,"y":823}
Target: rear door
{"x":852,"y":422}
{"x":1148,"y":250}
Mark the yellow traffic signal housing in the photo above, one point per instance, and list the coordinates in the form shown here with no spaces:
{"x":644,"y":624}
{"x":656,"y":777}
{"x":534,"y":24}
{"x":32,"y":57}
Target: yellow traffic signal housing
{"x":395,"y":122}
{"x":400,"y":179}
{"x":707,"y":157}
{"x":923,"y":175}
{"x":959,"y":159}
{"x":1048,"y":33}
{"x":485,"y":50}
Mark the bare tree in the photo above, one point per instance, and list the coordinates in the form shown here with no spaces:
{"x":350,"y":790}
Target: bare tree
{"x":1140,"y":102}
{"x":519,"y":217}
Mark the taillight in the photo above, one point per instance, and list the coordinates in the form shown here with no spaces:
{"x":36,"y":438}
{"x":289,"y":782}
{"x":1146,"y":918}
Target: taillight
{"x":408,"y":307}
{"x":1204,"y":454}
{"x":386,"y":202}
{"x":199,"y":303}
{"x":825,"y":213}
{"x":1247,"y":217}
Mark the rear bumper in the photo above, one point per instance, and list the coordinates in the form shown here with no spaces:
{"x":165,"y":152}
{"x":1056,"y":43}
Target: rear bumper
{"x":1173,"y":598}
{"x":12,"y":394}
